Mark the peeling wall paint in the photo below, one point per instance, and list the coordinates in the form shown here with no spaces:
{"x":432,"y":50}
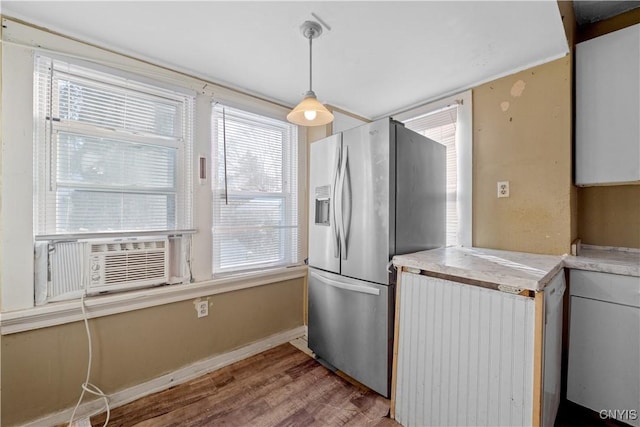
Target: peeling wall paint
{"x":518,"y":88}
{"x":530,"y":147}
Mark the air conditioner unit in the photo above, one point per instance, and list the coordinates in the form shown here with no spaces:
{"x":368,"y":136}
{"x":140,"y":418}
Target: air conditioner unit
{"x":66,"y":270}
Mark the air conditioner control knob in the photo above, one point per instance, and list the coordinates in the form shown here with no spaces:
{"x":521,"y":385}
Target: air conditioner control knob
{"x":95,"y":277}
{"x":95,"y":267}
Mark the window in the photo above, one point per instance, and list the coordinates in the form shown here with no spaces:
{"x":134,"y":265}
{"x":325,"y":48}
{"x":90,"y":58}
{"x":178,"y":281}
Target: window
{"x":449,"y":122}
{"x":255,"y":186}
{"x":112,"y":154}
{"x":441,"y":127}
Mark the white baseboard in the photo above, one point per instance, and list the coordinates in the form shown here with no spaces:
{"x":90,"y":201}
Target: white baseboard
{"x":163,"y":382}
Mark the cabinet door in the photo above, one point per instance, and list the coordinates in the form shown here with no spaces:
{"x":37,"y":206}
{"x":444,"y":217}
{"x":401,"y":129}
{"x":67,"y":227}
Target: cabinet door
{"x":465,"y":355}
{"x":603,"y":356}
{"x":608,"y":108}
{"x":604,"y":343}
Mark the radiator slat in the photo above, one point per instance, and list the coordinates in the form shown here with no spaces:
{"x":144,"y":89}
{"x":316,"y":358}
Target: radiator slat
{"x":465,"y":355}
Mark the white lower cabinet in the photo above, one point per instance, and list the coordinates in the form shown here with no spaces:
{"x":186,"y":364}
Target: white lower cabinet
{"x":466,"y":355}
{"x":604,"y":344}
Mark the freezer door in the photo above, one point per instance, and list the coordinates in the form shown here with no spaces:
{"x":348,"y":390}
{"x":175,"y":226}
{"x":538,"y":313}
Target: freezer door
{"x":350,"y":327}
{"x":367,"y":178}
{"x":324,"y":249}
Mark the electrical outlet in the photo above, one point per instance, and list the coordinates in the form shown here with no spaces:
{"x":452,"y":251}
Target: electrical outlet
{"x":203,"y":308}
{"x":503,"y":189}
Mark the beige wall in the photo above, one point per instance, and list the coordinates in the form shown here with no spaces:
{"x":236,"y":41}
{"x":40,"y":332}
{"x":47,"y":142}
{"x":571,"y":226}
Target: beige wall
{"x":610,"y":216}
{"x":568,"y":20}
{"x":522,"y":134}
{"x":42,"y":369}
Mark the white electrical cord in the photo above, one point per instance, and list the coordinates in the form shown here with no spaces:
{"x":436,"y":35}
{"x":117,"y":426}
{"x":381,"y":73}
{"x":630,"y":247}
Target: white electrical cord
{"x":87,"y":386}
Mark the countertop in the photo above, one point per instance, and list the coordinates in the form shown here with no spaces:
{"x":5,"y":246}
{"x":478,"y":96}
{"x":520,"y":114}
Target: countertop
{"x":625,"y":261}
{"x":518,"y":269}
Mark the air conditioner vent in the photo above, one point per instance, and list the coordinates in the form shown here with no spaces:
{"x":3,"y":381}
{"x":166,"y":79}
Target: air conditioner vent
{"x":134,"y":266}
{"x":127,"y":263}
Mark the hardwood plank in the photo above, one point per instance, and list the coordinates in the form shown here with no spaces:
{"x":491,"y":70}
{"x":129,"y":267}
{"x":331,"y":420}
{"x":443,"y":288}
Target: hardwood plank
{"x":281,"y":387}
{"x":299,"y":418}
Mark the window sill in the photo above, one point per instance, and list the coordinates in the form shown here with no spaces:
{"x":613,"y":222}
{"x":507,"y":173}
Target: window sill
{"x":59,"y":313}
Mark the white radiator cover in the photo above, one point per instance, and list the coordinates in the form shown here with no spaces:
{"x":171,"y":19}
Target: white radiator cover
{"x":465,"y":355}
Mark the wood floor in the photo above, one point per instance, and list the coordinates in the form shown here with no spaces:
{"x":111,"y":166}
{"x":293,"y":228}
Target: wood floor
{"x":280,"y":387}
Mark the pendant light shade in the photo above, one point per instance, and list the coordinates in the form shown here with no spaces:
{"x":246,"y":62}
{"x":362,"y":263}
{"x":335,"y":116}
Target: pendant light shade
{"x":310,"y":112}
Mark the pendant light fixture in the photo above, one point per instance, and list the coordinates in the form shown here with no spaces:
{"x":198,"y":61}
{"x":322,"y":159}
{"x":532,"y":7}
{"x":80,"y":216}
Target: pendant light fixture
{"x":310,"y":112}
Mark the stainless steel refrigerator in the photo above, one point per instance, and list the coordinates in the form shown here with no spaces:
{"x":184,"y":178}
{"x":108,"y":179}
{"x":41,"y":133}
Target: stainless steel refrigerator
{"x":376,"y":191}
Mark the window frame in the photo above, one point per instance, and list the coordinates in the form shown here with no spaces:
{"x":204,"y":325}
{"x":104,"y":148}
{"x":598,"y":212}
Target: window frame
{"x":290,"y":194}
{"x":47,"y":132}
{"x":464,"y":151}
{"x":18,"y":232}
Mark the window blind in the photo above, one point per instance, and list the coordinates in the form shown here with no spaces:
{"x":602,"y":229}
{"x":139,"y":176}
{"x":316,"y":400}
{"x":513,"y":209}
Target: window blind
{"x":255,"y":207}
{"x":112,"y":154}
{"x":440,"y":126}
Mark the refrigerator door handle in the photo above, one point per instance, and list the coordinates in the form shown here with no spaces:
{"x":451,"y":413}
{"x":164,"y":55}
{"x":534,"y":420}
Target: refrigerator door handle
{"x":346,"y":209}
{"x":334,"y":208}
{"x":343,"y":231}
{"x":346,"y":286}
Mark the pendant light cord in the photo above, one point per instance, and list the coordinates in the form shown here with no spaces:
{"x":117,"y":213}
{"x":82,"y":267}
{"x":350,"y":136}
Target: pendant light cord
{"x":310,"y":61}
{"x":224,"y":144}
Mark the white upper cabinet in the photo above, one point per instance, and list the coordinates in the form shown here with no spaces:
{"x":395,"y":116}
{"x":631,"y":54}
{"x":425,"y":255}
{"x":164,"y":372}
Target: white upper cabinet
{"x":608,"y":108}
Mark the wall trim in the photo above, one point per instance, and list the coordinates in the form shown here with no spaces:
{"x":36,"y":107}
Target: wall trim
{"x":59,"y":313}
{"x":179,"y":376}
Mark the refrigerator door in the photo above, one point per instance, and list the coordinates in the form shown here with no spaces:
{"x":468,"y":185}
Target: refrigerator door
{"x":421,"y":192}
{"x":324,"y":248}
{"x":351,"y":327}
{"x":365,"y":188}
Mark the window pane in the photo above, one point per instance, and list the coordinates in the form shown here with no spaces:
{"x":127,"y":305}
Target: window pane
{"x":92,"y":211}
{"x":256,"y":224}
{"x":236,"y":250}
{"x":109,"y":163}
{"x":246,"y":248}
{"x":114,"y":107}
{"x":251,"y":212}
{"x":253,"y":156}
{"x":111,"y":153}
{"x":441,"y":126}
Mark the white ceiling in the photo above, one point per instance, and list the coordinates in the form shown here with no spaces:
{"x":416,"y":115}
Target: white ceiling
{"x":378,"y":58}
